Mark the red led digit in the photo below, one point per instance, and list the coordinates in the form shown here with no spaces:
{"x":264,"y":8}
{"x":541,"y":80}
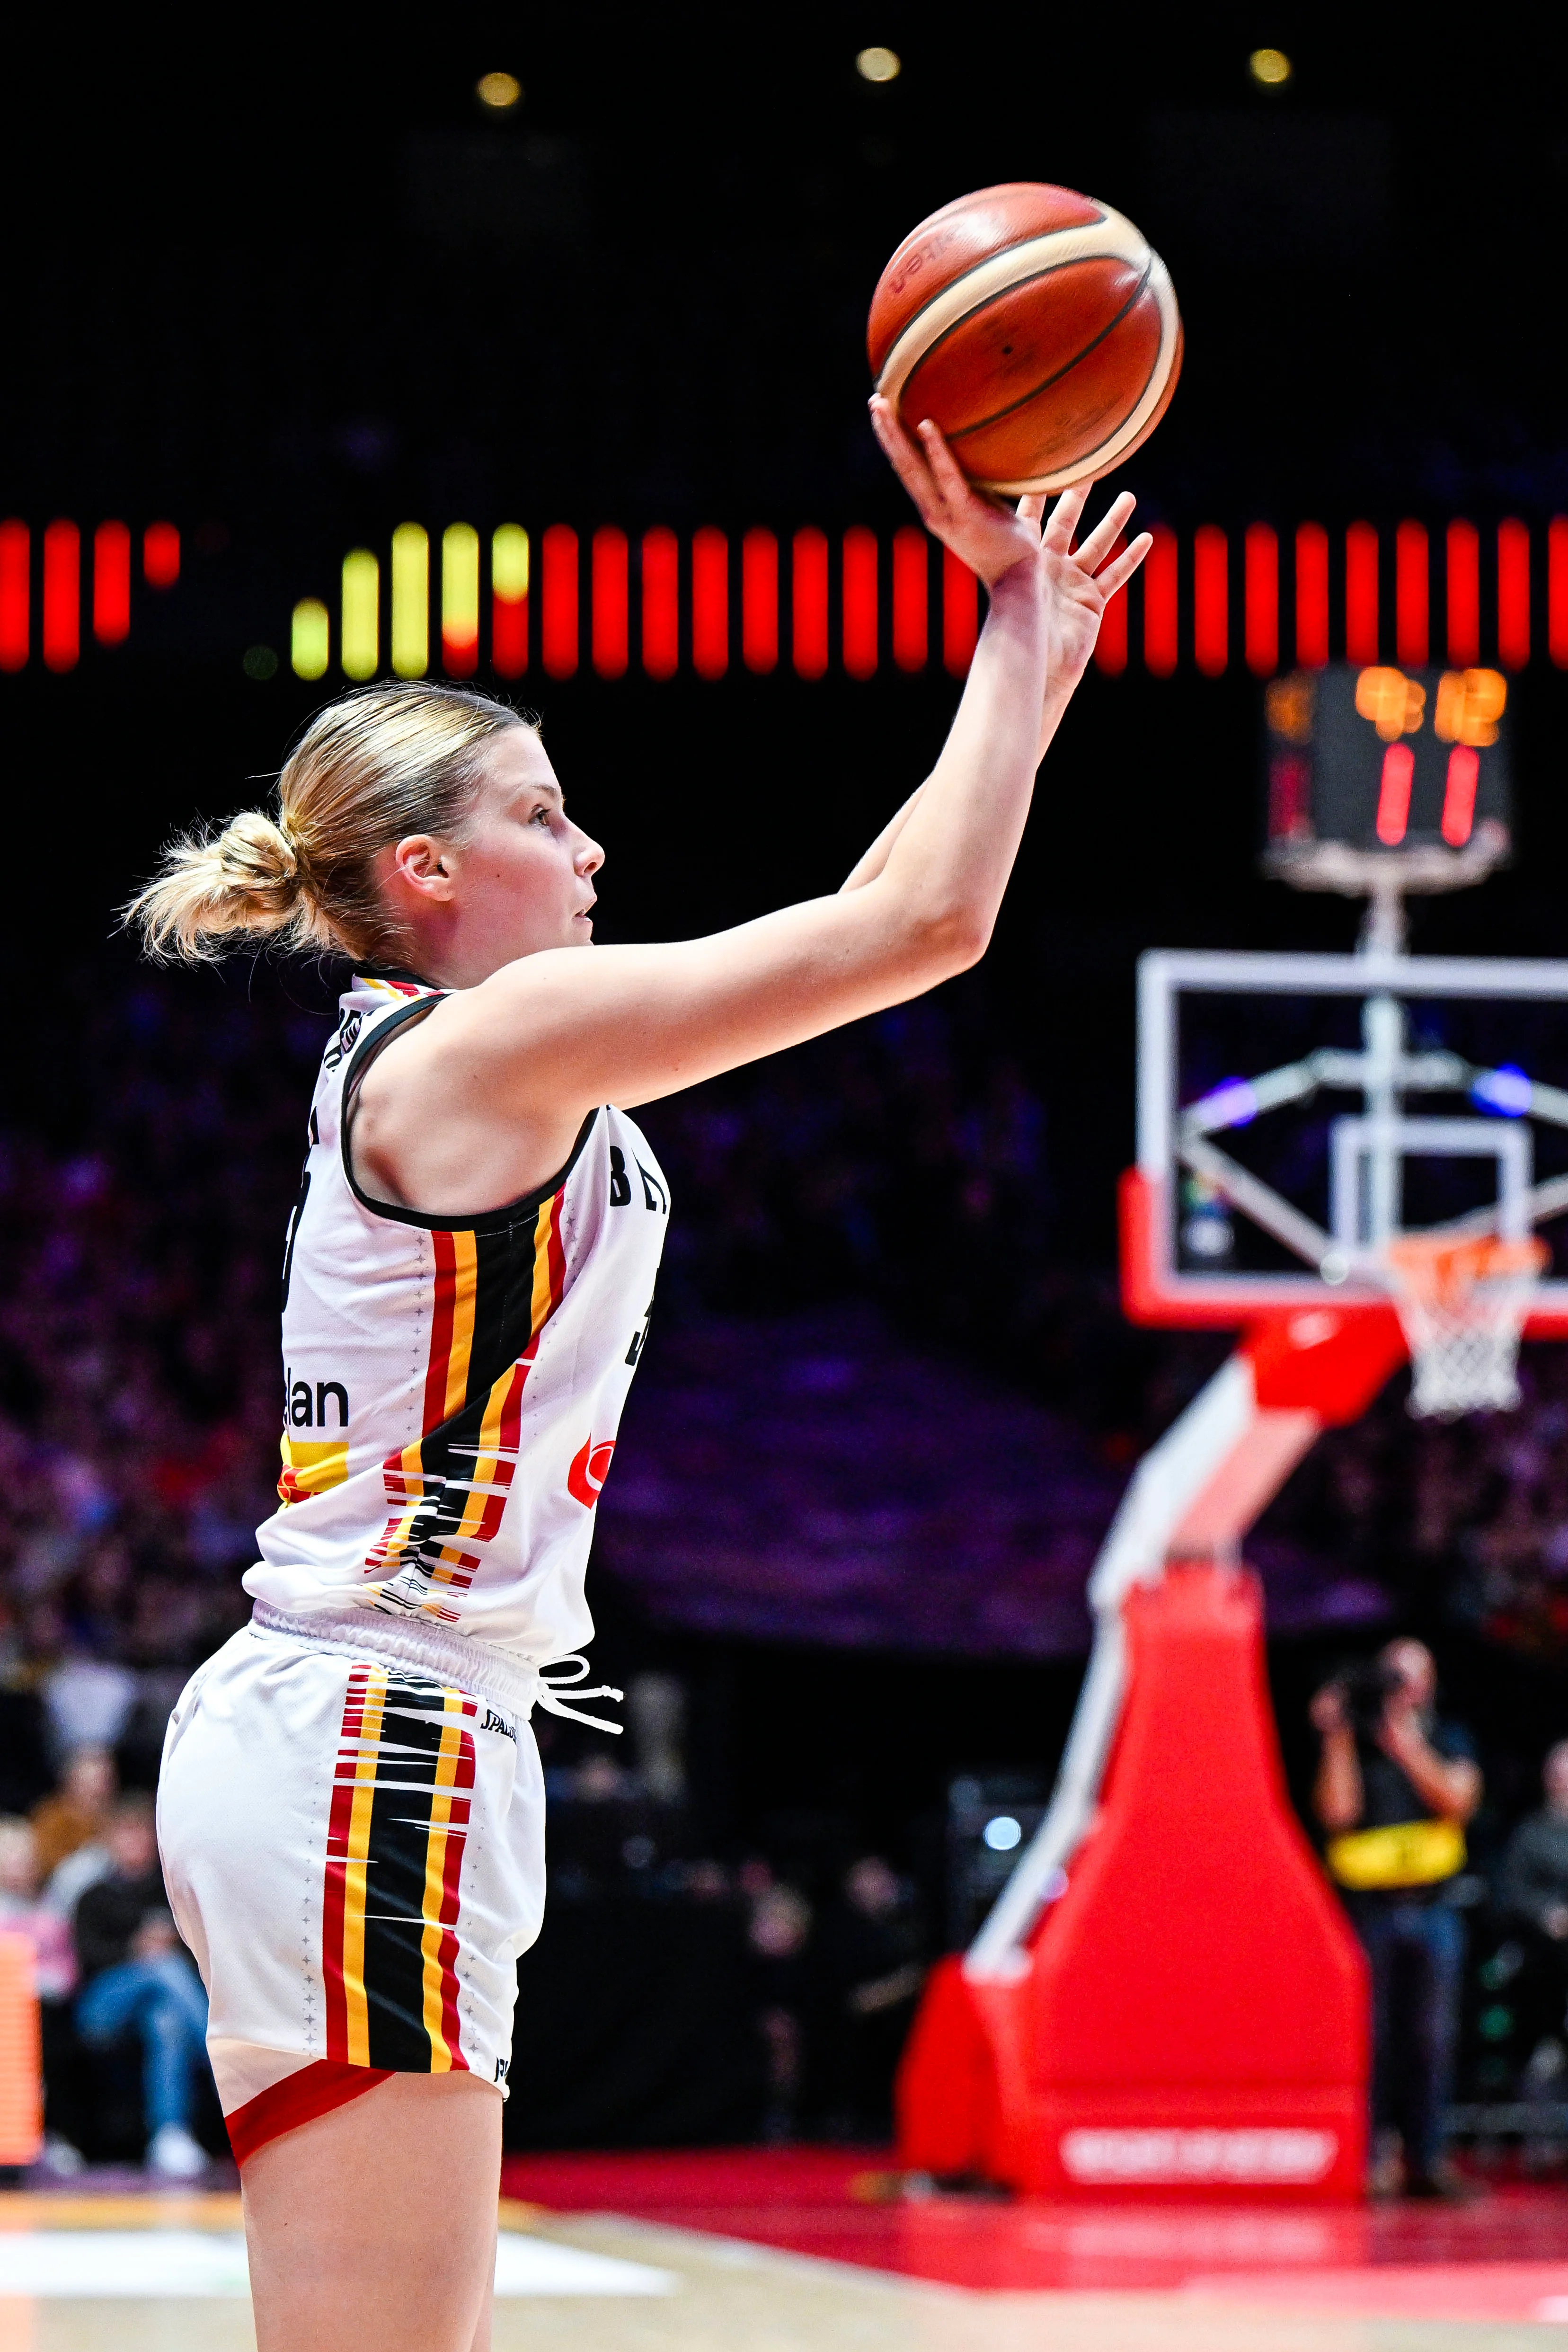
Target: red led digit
{"x":860,"y":602}
{"x":808,"y":595}
{"x":1394,"y":794}
{"x":1210,"y":600}
{"x":62,"y":595}
{"x":1159,"y":575}
{"x":960,"y":614}
{"x":14,"y":613}
{"x":1312,"y":595}
{"x":1460,"y":796}
{"x":1512,"y":595}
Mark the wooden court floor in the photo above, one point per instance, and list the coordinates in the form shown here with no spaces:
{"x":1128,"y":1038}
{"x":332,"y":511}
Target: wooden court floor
{"x":636,"y":2287}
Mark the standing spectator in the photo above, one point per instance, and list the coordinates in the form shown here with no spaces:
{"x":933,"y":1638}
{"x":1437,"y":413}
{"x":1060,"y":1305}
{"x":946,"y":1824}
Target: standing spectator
{"x":1533,"y":1881}
{"x":75,"y":1815}
{"x":139,"y":1979}
{"x":871,"y":1969}
{"x":21,"y":1913}
{"x":1394,"y":1788}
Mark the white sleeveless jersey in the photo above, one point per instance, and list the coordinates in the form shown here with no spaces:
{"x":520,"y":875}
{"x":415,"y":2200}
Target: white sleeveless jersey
{"x":452,"y":1385}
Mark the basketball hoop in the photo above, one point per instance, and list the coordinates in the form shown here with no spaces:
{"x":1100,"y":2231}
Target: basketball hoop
{"x":1463,"y":1302}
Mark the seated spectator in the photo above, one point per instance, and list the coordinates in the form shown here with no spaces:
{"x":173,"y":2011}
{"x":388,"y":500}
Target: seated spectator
{"x":75,"y":1815}
{"x":1394,"y":1788}
{"x":138,"y":1978}
{"x":21,"y":1913}
{"x":1533,"y":1881}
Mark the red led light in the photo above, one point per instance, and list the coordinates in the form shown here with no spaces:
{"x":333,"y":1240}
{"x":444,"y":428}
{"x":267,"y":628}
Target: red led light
{"x":1262,"y":621}
{"x":1160,"y":603}
{"x":1312,"y":595}
{"x":960,"y":614}
{"x":1512,"y":595}
{"x":111,"y":583}
{"x":860,"y":602}
{"x":710,"y":604}
{"x":1460,"y":796}
{"x":1394,"y":794}
{"x":1411,"y":596}
{"x":1111,"y":644}
{"x":808,"y":590}
{"x":14,"y":600}
{"x":610,"y":638}
{"x":1210,"y":600}
{"x":558,"y":602}
{"x":911,"y":591}
{"x":161,"y":555}
{"x":1361,"y":593}
{"x":1464,"y":595}
{"x":509,"y":635}
{"x":661,"y":604}
{"x":759,"y":601}
{"x":62,"y":596}
{"x":1556,"y":590}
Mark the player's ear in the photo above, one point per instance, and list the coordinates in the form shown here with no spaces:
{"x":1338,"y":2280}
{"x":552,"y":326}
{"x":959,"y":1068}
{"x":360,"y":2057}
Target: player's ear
{"x":422,"y":864}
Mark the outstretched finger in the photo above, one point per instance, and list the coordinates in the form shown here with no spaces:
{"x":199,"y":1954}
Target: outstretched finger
{"x":950,"y":476}
{"x":1031,"y":506}
{"x":905,"y":455}
{"x":1094,"y":551}
{"x":1116,"y":575}
{"x":1065,"y":517}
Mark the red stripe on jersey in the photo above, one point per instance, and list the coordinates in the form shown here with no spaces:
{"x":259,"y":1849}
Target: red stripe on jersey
{"x":314,"y":2090}
{"x":334,"y":1888}
{"x":443,"y":1314}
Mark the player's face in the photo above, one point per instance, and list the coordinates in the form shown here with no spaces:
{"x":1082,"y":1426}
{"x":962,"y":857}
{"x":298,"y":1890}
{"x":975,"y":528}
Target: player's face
{"x":524,"y":872}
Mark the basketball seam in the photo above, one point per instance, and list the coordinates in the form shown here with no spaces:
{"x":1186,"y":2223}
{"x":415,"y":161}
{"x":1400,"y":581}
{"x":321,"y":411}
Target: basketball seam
{"x":1154,"y":388}
{"x":1112,"y":238}
{"x":961,"y":432}
{"x":940,"y":293}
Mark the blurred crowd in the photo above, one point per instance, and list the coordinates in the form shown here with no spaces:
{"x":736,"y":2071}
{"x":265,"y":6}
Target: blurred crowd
{"x":146,"y":1172}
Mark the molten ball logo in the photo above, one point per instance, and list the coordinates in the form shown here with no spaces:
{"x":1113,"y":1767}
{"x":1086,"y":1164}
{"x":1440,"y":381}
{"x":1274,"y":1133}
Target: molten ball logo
{"x":590,"y":1470}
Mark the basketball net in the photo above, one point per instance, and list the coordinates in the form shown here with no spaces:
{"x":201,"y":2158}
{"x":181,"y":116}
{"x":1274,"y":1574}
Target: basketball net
{"x":1462,"y":1303}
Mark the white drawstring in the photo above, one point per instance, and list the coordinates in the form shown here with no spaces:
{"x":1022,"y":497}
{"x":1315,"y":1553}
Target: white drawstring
{"x":553,"y":1704}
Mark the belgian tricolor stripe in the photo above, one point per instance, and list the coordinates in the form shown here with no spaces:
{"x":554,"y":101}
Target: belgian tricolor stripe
{"x":401,"y":1802}
{"x":494,"y":1293}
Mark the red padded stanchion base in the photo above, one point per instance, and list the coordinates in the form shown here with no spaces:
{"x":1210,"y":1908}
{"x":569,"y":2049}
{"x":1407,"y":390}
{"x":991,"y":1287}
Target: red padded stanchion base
{"x":1194,"y":2018}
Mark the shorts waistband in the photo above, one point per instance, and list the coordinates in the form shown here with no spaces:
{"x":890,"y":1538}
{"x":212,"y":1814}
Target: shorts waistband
{"x":475,"y":1667}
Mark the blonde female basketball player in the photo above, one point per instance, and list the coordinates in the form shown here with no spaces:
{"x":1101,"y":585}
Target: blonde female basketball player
{"x":350,"y":1810}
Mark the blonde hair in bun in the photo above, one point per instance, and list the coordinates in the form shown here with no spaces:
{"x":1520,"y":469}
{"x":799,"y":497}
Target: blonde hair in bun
{"x":374,"y":766}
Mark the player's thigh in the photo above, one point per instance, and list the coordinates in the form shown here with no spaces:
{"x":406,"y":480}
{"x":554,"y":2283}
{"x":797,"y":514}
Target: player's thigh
{"x":376,"y":2223}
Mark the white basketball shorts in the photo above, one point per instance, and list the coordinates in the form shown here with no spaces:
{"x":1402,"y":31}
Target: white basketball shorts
{"x":353,"y":1844}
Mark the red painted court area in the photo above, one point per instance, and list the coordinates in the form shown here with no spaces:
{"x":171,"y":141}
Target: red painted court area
{"x":1504,"y":2258}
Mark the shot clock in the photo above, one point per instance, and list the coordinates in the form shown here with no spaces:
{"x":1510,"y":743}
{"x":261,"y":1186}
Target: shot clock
{"x":1410,"y":766}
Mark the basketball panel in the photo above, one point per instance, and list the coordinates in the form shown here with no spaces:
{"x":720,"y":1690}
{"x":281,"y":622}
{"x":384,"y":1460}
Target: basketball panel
{"x":955,"y":239}
{"x":1024,"y":339}
{"x":1068,"y":421}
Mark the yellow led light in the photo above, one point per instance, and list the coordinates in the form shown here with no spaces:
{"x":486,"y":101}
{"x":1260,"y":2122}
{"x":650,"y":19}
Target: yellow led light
{"x":498,"y":91}
{"x":310,"y":638}
{"x":879,"y":65}
{"x":1270,"y":67}
{"x":362,"y":613}
{"x":410,"y":600}
{"x":459,"y":594}
{"x":509,"y":563}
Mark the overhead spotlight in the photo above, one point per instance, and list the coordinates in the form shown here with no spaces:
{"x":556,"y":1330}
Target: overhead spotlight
{"x":1269,"y":66}
{"x":879,"y":65}
{"x":498,"y":91}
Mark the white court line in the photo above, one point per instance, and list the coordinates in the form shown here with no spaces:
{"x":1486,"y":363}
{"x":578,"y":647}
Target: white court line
{"x":179,"y":2262}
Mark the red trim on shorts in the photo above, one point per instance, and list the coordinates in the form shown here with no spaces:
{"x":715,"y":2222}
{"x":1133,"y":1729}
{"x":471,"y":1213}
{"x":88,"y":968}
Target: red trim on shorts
{"x":314,"y":2090}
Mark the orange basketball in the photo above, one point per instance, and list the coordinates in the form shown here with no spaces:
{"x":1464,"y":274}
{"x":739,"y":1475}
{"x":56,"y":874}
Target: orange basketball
{"x":1036,"y":327}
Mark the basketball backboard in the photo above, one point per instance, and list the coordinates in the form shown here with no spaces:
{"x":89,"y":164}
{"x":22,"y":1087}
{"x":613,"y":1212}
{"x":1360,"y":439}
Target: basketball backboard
{"x":1297,"y":1114}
